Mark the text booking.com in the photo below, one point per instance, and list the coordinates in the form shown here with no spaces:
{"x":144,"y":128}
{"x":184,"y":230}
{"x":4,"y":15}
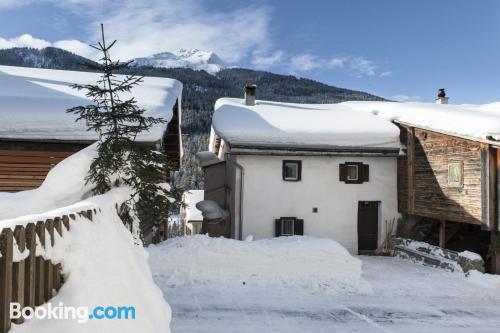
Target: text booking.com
{"x":80,"y":313}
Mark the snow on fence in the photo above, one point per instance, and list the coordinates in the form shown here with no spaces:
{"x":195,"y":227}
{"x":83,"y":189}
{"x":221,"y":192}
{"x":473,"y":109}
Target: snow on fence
{"x":27,"y":274}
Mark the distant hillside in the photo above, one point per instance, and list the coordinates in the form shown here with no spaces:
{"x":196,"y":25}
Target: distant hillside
{"x":49,"y":57}
{"x":201,"y":90}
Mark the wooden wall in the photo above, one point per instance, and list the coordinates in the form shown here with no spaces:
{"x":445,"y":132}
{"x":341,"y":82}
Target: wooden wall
{"x":26,"y":169}
{"x":423,"y":177}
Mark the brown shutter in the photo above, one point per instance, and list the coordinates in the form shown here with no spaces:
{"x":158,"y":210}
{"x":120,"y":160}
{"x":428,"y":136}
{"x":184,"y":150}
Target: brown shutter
{"x":342,"y":172}
{"x":277,"y":227}
{"x":298,"y":228}
{"x":366,"y":172}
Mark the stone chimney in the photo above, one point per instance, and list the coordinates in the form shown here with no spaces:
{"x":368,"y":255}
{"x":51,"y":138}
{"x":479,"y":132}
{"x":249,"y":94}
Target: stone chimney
{"x":250,"y":90}
{"x":441,"y":98}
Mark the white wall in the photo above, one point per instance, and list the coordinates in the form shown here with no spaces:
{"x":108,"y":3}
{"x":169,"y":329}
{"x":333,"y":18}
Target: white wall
{"x":267,"y":197}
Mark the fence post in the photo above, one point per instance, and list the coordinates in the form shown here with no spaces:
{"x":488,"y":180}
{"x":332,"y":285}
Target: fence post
{"x":29,"y":271}
{"x":6,"y":248}
{"x":40,"y":266}
{"x":65,"y":220}
{"x":49,"y":267}
{"x":18,"y":271}
{"x":58,"y":268}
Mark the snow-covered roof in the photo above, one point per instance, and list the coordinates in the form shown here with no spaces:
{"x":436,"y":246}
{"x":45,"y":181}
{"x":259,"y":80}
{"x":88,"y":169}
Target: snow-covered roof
{"x":33,"y":103}
{"x":191,"y":198}
{"x":348,"y":124}
{"x":273,"y":124}
{"x":481,"y":122}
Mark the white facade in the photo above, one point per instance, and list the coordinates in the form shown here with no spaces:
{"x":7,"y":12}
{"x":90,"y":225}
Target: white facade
{"x":266,"y":196}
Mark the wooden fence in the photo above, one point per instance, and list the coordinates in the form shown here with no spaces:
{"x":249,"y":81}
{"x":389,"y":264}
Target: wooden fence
{"x":33,"y":279}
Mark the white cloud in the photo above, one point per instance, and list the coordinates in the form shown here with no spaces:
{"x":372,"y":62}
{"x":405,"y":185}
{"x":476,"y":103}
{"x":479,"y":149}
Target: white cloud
{"x":23,"y":41}
{"x":337,"y":62}
{"x":360,"y":66}
{"x":27,"y":40}
{"x":262,"y":60}
{"x":406,"y":98}
{"x":305,"y":62}
{"x":146,"y":27}
{"x":357,"y":66}
{"x":13,"y":3}
{"x":77,"y":47}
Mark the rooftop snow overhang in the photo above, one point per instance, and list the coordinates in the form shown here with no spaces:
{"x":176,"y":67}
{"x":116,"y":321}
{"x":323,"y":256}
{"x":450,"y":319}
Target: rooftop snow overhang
{"x":34,"y":103}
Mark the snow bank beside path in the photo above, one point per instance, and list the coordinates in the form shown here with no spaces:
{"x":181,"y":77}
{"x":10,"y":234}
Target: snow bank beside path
{"x":307,"y":262}
{"x":484,"y":280}
{"x":103,"y":267}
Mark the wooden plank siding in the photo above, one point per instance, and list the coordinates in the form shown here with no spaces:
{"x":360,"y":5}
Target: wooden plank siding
{"x":423,"y":188}
{"x":26,"y":169}
{"x":24,"y":164}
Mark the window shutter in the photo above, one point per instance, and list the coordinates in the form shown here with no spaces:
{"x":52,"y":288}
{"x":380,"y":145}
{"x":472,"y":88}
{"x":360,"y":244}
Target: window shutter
{"x":366,"y":172}
{"x":298,"y":228}
{"x":277,"y":227}
{"x":342,"y":172}
{"x":299,"y":171}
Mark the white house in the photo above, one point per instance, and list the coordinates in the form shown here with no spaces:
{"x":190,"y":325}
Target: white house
{"x":296,"y":169}
{"x":191,"y":216}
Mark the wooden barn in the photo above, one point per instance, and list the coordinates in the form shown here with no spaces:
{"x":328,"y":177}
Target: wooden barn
{"x":448,"y":188}
{"x":36,"y":133}
{"x":448,"y":172}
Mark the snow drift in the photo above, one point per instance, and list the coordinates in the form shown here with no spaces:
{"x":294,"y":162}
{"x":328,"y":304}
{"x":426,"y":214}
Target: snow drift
{"x":306,"y":262}
{"x":103,"y":267}
{"x":63,"y":186}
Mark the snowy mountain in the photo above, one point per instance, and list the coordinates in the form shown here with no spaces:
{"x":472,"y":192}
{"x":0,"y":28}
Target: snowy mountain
{"x":183,"y":58}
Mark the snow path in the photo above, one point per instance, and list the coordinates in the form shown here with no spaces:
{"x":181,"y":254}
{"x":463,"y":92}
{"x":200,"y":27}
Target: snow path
{"x":406,"y":297}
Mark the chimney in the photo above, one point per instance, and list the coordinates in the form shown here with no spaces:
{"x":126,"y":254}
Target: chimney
{"x":250,"y":89}
{"x":441,"y":98}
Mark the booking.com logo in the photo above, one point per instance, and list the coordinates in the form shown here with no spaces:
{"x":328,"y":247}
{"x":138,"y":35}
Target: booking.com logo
{"x":80,"y":313}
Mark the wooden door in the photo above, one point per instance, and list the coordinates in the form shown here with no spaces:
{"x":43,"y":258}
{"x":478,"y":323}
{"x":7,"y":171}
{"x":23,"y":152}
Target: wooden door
{"x":367,"y":226}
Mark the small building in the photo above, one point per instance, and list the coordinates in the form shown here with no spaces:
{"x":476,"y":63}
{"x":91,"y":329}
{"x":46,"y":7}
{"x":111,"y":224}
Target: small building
{"x":191,"y":217}
{"x":290,"y":169}
{"x":36,"y":132}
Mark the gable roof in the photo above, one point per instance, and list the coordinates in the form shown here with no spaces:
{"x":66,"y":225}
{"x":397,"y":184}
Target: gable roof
{"x":33,"y":103}
{"x":274,"y":124}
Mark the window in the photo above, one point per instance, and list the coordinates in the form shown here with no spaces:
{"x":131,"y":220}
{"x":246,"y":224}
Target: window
{"x":455,"y":174}
{"x":289,"y":226}
{"x":354,"y":172}
{"x":292,"y":170}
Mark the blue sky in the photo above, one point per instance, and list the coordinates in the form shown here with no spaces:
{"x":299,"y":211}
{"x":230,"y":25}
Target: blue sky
{"x":393,"y":48}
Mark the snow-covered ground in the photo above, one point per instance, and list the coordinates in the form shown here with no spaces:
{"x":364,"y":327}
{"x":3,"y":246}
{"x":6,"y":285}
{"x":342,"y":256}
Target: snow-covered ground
{"x":398,"y":296}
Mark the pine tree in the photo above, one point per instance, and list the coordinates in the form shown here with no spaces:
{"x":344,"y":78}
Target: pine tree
{"x":121,"y":160}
